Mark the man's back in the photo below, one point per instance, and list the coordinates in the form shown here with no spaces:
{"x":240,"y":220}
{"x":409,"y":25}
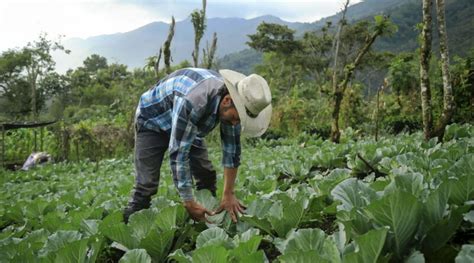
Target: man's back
{"x":195,"y":90}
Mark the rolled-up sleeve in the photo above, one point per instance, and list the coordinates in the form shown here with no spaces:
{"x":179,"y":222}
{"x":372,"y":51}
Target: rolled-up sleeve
{"x":183,"y":133}
{"x":230,"y":141}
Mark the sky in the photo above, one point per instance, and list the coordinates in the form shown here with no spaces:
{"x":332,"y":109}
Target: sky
{"x":24,"y":20}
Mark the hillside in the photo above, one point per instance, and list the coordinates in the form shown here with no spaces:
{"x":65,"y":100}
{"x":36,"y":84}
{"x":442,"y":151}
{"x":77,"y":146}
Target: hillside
{"x":406,"y":14}
{"x":132,"y":48}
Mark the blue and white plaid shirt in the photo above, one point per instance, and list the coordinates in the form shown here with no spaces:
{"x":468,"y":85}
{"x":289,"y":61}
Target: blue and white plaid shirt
{"x":185,"y":105}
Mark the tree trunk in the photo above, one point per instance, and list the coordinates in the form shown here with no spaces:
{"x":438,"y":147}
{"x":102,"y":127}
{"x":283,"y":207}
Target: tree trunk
{"x":167,"y":45}
{"x":448,"y":99}
{"x":198,"y":33}
{"x":337,"y":94}
{"x":157,"y":62}
{"x":341,"y":88}
{"x":32,"y":76}
{"x":211,"y":51}
{"x":377,"y":114}
{"x":425,"y":55}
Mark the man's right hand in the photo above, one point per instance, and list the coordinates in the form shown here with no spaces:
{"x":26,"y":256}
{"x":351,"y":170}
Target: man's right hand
{"x":197,"y":211}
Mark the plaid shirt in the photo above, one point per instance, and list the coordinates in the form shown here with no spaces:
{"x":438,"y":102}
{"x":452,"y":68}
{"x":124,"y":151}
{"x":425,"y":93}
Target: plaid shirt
{"x":185,"y":105}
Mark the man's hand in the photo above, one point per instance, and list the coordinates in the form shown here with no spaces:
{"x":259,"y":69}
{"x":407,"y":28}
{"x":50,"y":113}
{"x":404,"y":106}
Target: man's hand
{"x":231,"y":205}
{"x":196,"y":211}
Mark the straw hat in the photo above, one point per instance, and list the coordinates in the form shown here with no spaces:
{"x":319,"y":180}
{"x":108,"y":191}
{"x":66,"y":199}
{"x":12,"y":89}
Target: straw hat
{"x":252,"y":99}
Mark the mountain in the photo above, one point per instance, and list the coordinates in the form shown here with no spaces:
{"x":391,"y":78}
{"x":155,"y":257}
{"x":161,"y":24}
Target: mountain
{"x":133,"y":47}
{"x":358,"y":11}
{"x":406,"y":14}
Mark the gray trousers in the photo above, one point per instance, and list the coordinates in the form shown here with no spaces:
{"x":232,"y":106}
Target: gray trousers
{"x":150,"y":148}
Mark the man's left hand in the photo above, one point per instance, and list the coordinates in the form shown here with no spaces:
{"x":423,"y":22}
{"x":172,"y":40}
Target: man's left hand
{"x":232,"y":205}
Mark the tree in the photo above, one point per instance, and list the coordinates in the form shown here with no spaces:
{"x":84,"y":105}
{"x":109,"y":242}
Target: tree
{"x":316,"y":54}
{"x":401,"y":75}
{"x":448,"y":99}
{"x":156,"y":65}
{"x":28,"y":67}
{"x":14,"y":89}
{"x":382,"y":26}
{"x":336,"y":43}
{"x":167,"y":45}
{"x":209,"y":52}
{"x":94,"y":62}
{"x":429,"y":129}
{"x":274,"y":38}
{"x":425,"y":55}
{"x":282,"y":66}
{"x":40,"y":63}
{"x":198,"y":18}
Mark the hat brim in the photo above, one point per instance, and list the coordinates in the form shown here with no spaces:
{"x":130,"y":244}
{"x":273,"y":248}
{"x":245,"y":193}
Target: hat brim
{"x":251,"y":127}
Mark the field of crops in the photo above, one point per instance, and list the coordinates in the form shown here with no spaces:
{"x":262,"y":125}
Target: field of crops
{"x":395,"y":200}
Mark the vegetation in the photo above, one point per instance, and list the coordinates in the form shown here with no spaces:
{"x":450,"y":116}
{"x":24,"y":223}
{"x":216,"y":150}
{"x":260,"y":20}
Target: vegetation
{"x":391,"y":200}
{"x":344,"y":173}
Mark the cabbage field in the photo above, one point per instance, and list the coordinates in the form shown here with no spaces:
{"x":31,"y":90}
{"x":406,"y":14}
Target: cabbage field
{"x":398,"y":199}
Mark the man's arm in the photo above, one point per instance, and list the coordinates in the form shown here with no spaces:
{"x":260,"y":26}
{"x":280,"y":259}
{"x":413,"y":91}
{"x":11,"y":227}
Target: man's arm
{"x":230,"y":139}
{"x":183,"y":133}
{"x":229,"y":180}
{"x":229,"y":202}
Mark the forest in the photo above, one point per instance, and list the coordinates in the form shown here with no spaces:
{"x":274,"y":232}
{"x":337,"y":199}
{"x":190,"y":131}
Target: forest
{"x":369,"y":156}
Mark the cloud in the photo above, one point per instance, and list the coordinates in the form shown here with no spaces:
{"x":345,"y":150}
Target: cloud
{"x":23,"y":20}
{"x":297,"y":10}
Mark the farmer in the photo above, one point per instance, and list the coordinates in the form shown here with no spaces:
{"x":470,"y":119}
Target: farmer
{"x":176,"y":114}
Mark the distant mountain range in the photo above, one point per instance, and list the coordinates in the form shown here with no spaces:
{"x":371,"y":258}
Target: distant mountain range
{"x":133,"y":47}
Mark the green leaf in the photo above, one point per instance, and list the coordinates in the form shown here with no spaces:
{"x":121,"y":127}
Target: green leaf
{"x":259,"y":208}
{"x":352,"y":193}
{"x":355,"y":222}
{"x":435,"y":206}
{"x":330,"y":251}
{"x":305,"y":240}
{"x":158,"y":243}
{"x":166,"y":219}
{"x":180,"y":257}
{"x":35,"y":240}
{"x":285,"y":214}
{"x":141,"y":223}
{"x":37,"y":208}
{"x":409,"y":182}
{"x":73,"y":252}
{"x":469,"y":217}
{"x":336,"y":176}
{"x":136,"y":256}
{"x":96,"y":248}
{"x":400,"y":211}
{"x":205,"y":198}
{"x":441,"y":232}
{"x":90,"y":227}
{"x":246,"y":243}
{"x":121,"y":234}
{"x":415,"y":257}
{"x":210,"y":254}
{"x":59,"y":240}
{"x":257,"y":257}
{"x":213,"y":237}
{"x":53,"y":221}
{"x":462,"y":186}
{"x":466,"y":255}
{"x":368,"y":247}
{"x":257,"y":215}
{"x":302,"y":257}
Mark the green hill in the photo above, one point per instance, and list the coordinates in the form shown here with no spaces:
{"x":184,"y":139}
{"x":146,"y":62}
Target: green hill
{"x":406,"y":14}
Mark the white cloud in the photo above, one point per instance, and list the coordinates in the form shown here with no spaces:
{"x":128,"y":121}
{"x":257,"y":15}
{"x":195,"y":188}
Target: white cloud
{"x":23,"y":20}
